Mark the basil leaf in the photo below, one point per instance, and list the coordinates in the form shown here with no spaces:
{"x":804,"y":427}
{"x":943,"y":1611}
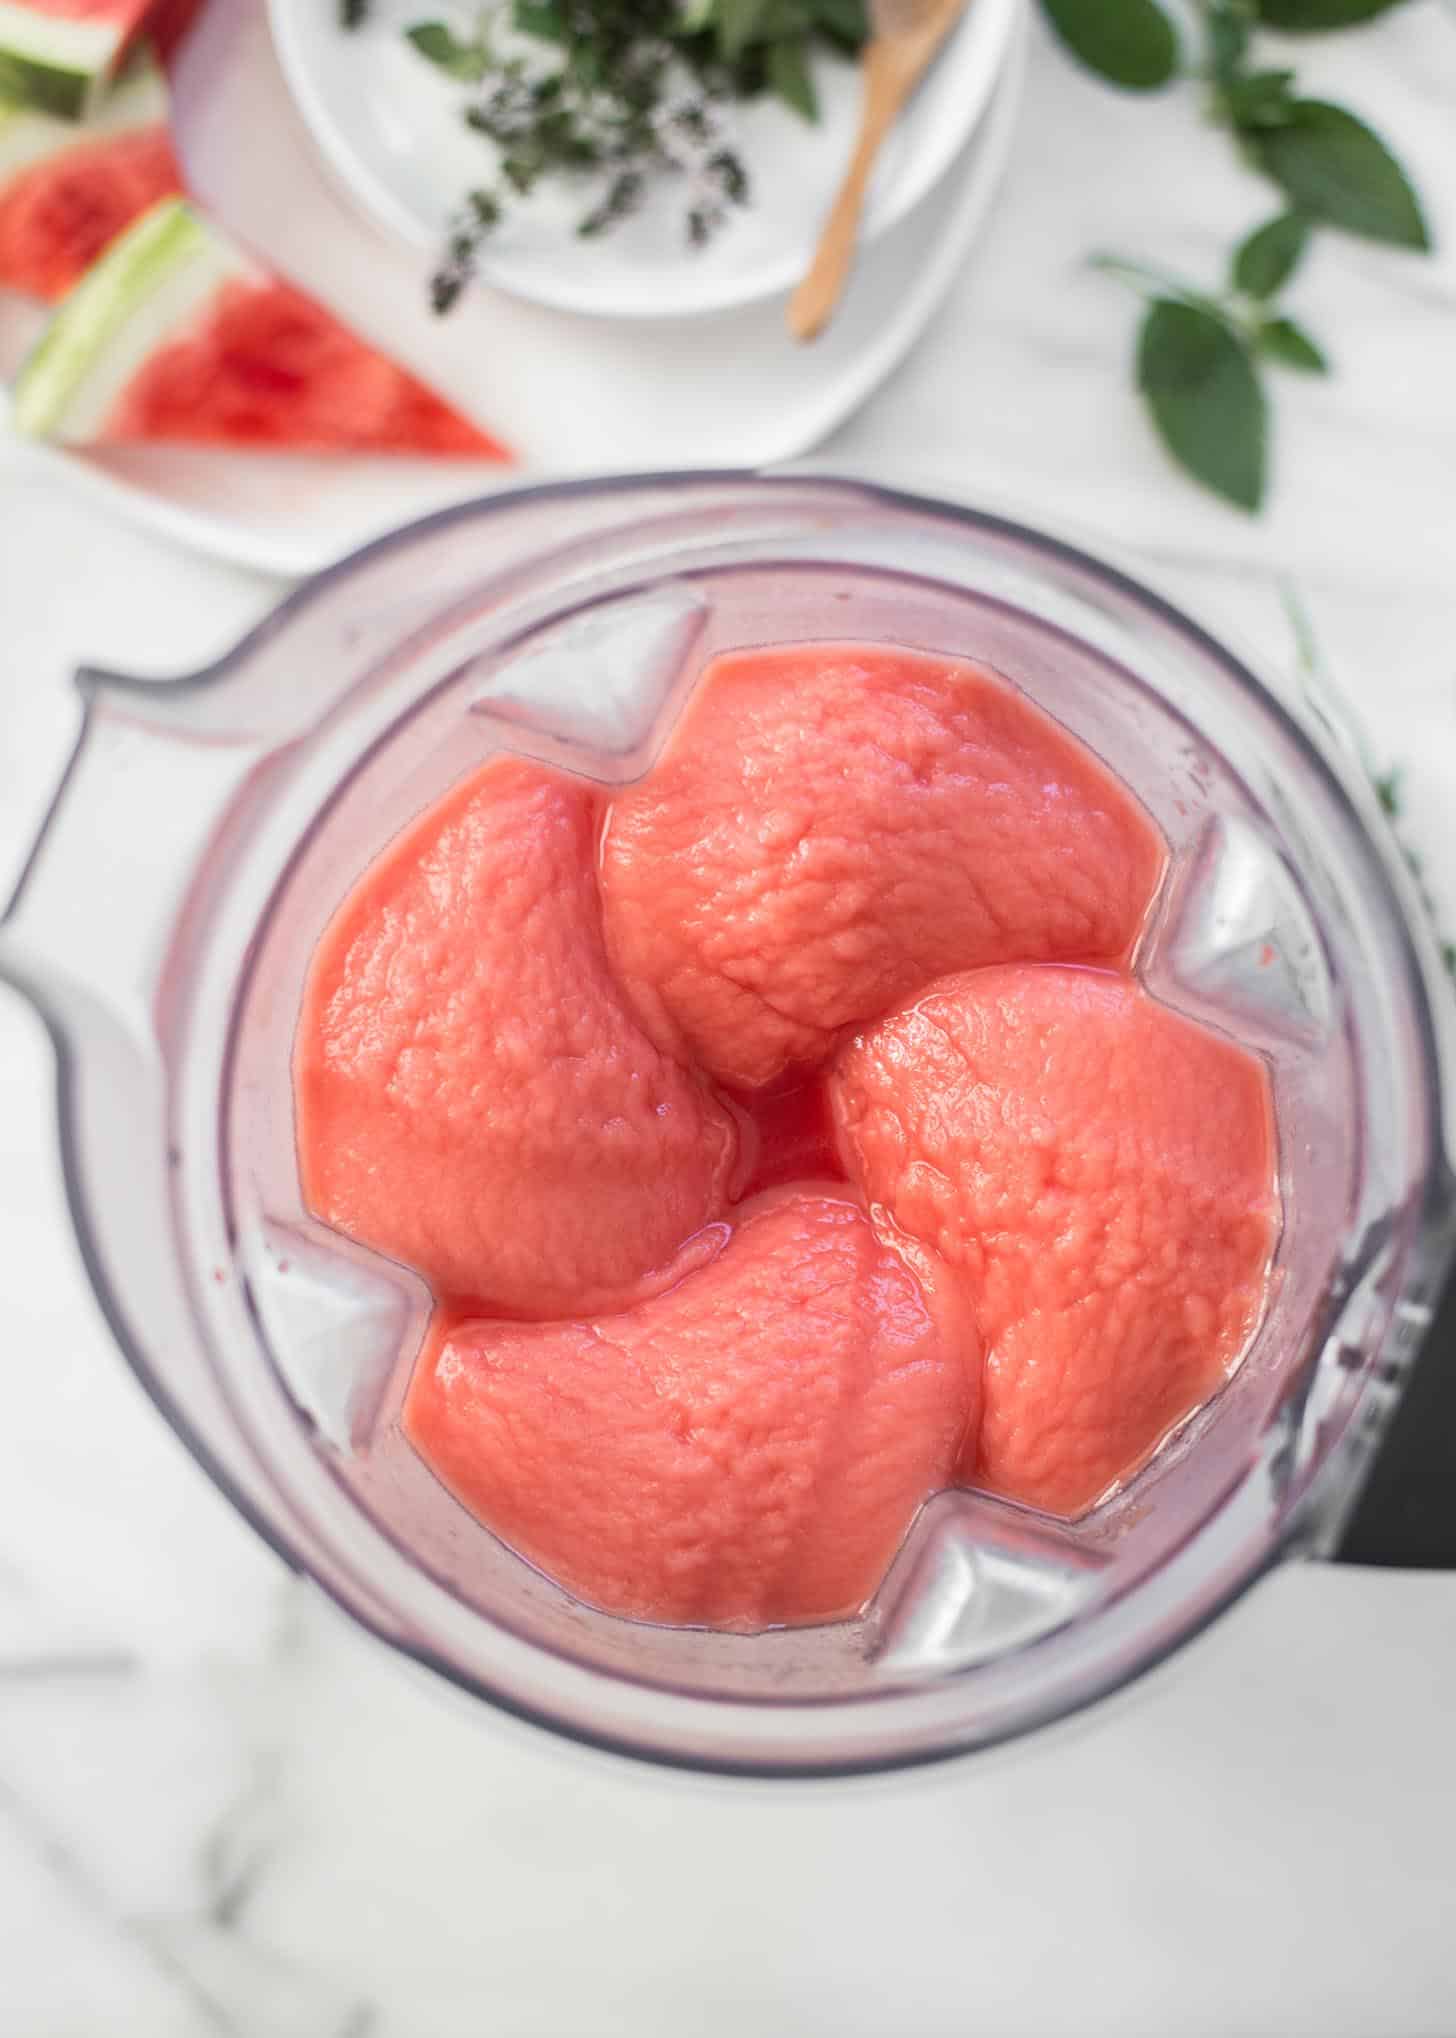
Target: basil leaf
{"x":1129,"y":42}
{"x":1264,"y":262}
{"x":1291,"y":346}
{"x":788,"y":76}
{"x":1227,"y":30}
{"x":737,"y":23}
{"x":784,"y":21}
{"x":440,"y":45}
{"x":1205,"y":399}
{"x":1336,"y":170}
{"x":845,"y":21}
{"x":1259,"y":99}
{"x":1311,"y":17}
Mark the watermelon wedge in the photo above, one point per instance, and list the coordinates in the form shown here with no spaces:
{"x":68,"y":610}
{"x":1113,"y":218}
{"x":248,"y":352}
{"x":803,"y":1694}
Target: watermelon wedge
{"x":176,"y":335}
{"x":66,"y":193}
{"x":58,"y":56}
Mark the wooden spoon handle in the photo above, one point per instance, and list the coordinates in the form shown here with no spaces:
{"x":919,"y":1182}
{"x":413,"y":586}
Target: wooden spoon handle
{"x":887,"y":85}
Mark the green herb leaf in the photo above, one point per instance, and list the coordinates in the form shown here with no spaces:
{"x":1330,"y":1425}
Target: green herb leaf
{"x":1129,"y":42}
{"x":540,"y":18}
{"x":437,"y":42}
{"x":788,"y":75}
{"x":1310,"y":17}
{"x":785,"y":21}
{"x":1259,"y":99}
{"x":1388,"y":791}
{"x":737,"y":23}
{"x":843,"y":21}
{"x":1336,"y":170}
{"x":1150,"y":282}
{"x":1264,"y":262}
{"x":1227,"y":29}
{"x":1205,"y":399}
{"x":1281,"y":340}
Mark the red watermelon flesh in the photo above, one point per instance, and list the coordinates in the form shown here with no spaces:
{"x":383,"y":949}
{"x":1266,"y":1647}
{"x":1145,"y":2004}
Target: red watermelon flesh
{"x":127,"y":15}
{"x":266,"y":366}
{"x":56,"y":216}
{"x":168,"y":23}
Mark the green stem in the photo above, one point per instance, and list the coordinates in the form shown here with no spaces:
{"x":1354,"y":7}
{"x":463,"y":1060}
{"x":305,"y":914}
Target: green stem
{"x":1152,"y":282}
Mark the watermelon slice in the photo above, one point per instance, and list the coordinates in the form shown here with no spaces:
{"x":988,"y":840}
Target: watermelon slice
{"x":65,"y":195}
{"x":59,"y":55}
{"x":176,"y":335}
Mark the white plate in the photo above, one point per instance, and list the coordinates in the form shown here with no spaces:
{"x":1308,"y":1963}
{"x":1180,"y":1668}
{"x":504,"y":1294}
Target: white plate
{"x":573,"y":395}
{"x":388,"y":124}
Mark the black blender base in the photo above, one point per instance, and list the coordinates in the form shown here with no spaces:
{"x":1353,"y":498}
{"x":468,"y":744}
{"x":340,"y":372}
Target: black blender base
{"x":1406,"y":1514}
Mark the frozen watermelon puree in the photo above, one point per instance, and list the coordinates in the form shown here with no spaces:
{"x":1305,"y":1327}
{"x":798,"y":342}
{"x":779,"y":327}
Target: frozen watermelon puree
{"x":834,"y":825}
{"x":472,"y":1096}
{"x":746,"y":1449}
{"x":1099,"y":1172}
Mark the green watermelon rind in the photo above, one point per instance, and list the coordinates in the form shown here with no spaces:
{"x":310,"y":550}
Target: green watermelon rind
{"x":55,"y":65}
{"x":152,"y":280}
{"x":138,"y":100}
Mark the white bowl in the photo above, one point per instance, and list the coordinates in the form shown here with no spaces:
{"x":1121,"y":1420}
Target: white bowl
{"x":388,"y":126}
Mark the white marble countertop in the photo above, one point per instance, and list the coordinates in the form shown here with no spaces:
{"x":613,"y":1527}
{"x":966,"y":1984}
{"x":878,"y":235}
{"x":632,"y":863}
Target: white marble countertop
{"x":221,"y":1812}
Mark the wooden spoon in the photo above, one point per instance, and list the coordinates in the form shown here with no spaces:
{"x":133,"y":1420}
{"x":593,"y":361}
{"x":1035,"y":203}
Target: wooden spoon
{"x":906,"y":35}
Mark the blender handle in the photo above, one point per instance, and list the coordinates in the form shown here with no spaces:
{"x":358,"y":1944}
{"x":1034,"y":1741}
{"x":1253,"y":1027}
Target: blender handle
{"x":142,"y":798}
{"x":1406,"y":1511}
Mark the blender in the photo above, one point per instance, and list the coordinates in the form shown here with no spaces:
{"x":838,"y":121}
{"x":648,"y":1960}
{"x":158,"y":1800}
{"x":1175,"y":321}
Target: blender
{"x":207,"y":828}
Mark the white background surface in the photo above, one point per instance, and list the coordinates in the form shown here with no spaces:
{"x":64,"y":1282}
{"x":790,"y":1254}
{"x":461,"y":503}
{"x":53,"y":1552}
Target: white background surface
{"x":222,"y":1813}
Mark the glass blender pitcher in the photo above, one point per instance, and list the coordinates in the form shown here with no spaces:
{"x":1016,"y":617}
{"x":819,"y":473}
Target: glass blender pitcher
{"x":206,"y":829}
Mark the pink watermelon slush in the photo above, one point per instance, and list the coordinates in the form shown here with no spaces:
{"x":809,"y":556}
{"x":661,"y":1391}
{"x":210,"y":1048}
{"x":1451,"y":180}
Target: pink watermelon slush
{"x":1098,"y":1172}
{"x":745,"y":1449}
{"x":833,"y":825}
{"x":786,"y":1137}
{"x":474,"y":1096}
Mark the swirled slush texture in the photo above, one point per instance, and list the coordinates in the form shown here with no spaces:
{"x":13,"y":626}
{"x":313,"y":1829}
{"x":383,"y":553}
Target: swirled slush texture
{"x":473,"y":1096}
{"x":1099,"y":1173}
{"x":588,"y":1064}
{"x":747,"y":1448}
{"x":833,"y":826}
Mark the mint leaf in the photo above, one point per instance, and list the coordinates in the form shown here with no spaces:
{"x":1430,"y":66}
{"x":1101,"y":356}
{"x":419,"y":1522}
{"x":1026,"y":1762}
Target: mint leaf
{"x":788,"y":76}
{"x":1129,"y":42}
{"x":442,"y":47}
{"x":1281,"y":340}
{"x":1264,"y":262}
{"x":1334,"y":168}
{"x":1311,"y":17}
{"x":1259,"y":99}
{"x":1204,"y":396}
